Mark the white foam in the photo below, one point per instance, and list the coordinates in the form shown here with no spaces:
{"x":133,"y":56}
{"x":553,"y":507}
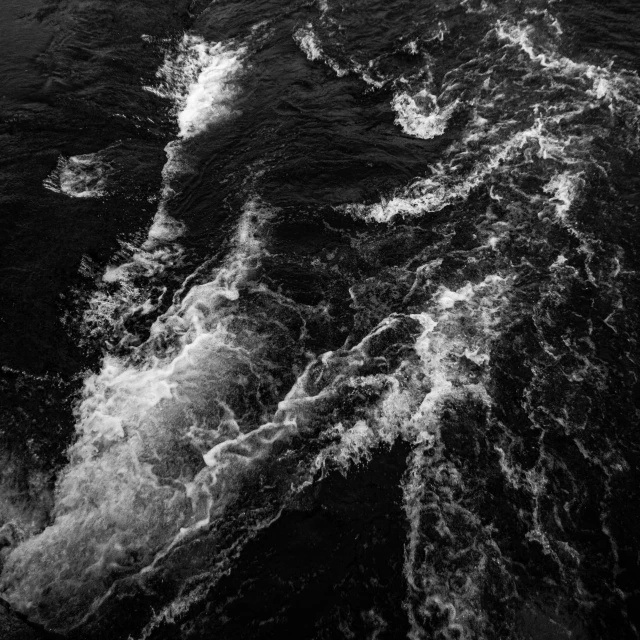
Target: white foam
{"x":209,"y":98}
{"x":413,"y":119}
{"x":444,"y":188}
{"x":453,"y":334}
{"x":492,"y":146}
{"x":458,"y":327}
{"x":308,"y":42}
{"x":605,"y":84}
{"x":482,"y":7}
{"x":450,"y":364}
{"x":411,"y":47}
{"x":307,"y":39}
{"x":447,"y":299}
{"x":198,"y":77}
{"x":564,"y":188}
{"x":82,"y":176}
{"x":110,"y":501}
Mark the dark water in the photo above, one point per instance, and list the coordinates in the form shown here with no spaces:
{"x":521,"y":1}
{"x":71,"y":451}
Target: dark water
{"x":319,"y":319}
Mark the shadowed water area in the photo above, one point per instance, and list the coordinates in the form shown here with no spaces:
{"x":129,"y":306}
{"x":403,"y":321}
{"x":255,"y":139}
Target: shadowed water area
{"x":319,"y":319}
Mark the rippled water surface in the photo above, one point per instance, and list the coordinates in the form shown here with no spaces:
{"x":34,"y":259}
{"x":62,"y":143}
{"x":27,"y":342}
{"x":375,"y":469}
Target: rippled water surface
{"x":319,"y":319}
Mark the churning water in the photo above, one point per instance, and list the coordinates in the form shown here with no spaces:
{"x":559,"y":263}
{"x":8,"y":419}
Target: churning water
{"x":349,"y":299}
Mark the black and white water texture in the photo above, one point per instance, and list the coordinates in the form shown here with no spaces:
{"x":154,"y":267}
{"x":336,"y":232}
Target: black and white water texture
{"x":320,"y":319}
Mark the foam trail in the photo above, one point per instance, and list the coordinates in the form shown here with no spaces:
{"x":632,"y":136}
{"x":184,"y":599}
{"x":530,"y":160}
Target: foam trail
{"x":455,"y":354}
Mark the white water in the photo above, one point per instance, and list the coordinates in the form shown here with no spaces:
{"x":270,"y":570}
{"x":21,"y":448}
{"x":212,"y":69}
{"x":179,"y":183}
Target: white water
{"x":420,"y":115}
{"x":493,"y":146}
{"x":461,"y":323}
{"x":198,"y":79}
{"x":133,"y":485}
{"x":83,"y":176}
{"x":123,"y":495}
{"x":309,"y":43}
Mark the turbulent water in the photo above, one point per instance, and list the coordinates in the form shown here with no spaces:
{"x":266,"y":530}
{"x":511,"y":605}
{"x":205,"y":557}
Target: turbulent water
{"x":321,"y":319}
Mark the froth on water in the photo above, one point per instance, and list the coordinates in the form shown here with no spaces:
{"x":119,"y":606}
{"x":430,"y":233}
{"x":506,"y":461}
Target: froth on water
{"x":474,"y":301}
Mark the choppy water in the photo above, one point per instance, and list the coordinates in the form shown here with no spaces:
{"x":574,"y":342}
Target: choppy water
{"x":321,"y":319}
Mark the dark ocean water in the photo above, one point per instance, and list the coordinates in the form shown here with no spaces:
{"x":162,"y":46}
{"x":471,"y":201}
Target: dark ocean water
{"x":320,"y":319}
